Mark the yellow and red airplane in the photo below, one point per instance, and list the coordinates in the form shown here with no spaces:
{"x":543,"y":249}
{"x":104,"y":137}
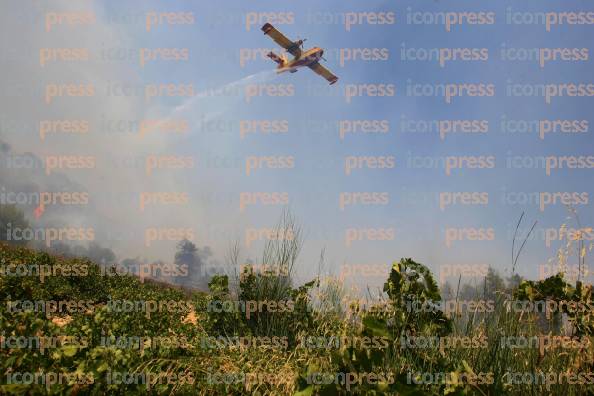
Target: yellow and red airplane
{"x":310,"y":58}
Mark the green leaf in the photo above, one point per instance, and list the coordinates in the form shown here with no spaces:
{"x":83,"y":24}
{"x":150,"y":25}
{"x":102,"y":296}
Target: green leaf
{"x":305,"y":392}
{"x":376,"y":326}
{"x":69,"y":350}
{"x":467,"y":367}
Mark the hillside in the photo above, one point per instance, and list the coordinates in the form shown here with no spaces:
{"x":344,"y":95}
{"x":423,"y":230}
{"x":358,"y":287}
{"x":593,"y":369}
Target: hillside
{"x":68,"y":329}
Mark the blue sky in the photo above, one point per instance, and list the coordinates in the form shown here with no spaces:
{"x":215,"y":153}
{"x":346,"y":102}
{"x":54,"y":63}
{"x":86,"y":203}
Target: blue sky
{"x":221,"y":32}
{"x":419,"y":225}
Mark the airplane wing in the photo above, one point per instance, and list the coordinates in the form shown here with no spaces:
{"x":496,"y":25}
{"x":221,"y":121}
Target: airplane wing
{"x":282,"y":40}
{"x":322,"y":71}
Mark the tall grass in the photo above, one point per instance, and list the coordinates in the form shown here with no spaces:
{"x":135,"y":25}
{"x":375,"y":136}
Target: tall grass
{"x":320,"y":311}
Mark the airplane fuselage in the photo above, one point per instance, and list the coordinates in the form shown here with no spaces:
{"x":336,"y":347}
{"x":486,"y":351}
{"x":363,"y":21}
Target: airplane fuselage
{"x":305,"y":59}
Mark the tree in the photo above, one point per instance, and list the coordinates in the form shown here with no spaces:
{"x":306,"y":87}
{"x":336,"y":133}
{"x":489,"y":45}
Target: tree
{"x":186,"y":253}
{"x":492,"y":284}
{"x":100,"y":255}
{"x":12,"y":218}
{"x":131,"y":265}
{"x":513,"y":282}
{"x":195,"y":259}
{"x":59,"y":248}
{"x":448,"y":292}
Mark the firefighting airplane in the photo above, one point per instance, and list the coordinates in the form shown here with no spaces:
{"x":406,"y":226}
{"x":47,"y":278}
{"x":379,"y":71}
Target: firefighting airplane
{"x":309,"y":58}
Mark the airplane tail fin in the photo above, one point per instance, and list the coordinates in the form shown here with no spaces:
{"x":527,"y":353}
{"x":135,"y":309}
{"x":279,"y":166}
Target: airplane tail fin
{"x":282,"y":61}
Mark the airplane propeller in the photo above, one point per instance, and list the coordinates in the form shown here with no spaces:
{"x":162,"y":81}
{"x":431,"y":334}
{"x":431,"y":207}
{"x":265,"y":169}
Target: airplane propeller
{"x":300,"y":42}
